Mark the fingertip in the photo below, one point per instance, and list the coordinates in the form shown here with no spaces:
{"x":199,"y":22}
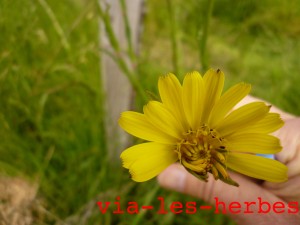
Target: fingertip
{"x":174,"y":178}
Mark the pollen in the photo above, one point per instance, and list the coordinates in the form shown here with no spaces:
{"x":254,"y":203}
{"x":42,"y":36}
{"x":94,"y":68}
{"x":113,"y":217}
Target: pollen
{"x":203,"y":151}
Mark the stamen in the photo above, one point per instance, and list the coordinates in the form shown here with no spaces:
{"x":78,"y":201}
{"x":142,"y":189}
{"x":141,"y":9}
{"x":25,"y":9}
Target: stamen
{"x":220,"y":157}
{"x":200,"y":147}
{"x":198,"y":161}
{"x":188,"y":153}
{"x":215,"y":172}
{"x":202,"y":151}
{"x":221,"y":169}
{"x":197,"y":168}
{"x":190,"y":148}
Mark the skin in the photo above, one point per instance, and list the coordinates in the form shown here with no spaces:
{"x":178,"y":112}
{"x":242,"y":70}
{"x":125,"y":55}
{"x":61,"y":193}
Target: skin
{"x":177,"y":178}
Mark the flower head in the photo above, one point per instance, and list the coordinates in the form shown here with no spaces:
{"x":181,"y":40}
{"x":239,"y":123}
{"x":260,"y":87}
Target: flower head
{"x":194,"y":124}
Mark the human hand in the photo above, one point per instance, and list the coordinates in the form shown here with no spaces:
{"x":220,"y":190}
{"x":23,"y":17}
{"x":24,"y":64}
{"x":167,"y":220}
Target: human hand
{"x":289,"y":135}
{"x":177,"y":178}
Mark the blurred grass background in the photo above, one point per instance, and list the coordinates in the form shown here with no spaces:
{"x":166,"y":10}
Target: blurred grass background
{"x":51,"y":99}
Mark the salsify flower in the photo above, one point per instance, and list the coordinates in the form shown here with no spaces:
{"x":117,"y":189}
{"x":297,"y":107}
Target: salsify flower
{"x":195,"y":124}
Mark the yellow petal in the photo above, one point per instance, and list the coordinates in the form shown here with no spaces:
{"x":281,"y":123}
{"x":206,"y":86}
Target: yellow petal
{"x":147,"y":160}
{"x":270,"y":123}
{"x":162,"y":119}
{"x":213,"y":83}
{"x":137,"y":125}
{"x":170,"y":91}
{"x":193,"y":95}
{"x":253,"y":143}
{"x":227,"y":102}
{"x":242,"y":117}
{"x":257,"y":167}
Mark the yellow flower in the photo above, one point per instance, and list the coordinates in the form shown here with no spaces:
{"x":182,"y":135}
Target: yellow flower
{"x":195,"y":125}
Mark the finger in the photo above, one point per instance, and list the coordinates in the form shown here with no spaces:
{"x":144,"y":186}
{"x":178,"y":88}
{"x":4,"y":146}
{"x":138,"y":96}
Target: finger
{"x":177,"y":178}
{"x":289,"y":136}
{"x":288,"y":191}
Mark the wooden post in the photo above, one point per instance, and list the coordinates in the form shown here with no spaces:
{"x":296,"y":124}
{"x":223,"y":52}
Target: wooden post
{"x":118,"y":90}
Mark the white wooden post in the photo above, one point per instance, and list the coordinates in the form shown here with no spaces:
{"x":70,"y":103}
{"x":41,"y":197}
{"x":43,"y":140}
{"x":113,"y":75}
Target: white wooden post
{"x":118,"y":90}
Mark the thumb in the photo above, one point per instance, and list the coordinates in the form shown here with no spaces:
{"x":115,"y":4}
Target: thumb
{"x":177,"y":178}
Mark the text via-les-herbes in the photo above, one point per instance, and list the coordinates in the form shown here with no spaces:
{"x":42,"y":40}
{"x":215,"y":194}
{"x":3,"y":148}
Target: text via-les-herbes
{"x":248,"y":207}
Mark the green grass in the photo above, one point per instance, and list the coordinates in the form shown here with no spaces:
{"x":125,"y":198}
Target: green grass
{"x":51,"y":99}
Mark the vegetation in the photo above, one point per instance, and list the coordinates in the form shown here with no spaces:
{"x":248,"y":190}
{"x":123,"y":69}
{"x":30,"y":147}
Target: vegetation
{"x":51,"y":97}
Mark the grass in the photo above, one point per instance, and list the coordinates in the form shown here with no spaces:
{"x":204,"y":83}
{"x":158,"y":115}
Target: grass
{"x":51,"y":99}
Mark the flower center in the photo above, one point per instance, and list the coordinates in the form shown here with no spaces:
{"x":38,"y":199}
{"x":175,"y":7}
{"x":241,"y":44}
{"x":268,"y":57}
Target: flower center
{"x":203,"y":151}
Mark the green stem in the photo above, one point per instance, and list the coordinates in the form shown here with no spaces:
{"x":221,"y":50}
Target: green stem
{"x":176,"y":57}
{"x":148,"y":198}
{"x":131,"y":76}
{"x":108,"y":28}
{"x":203,"y":39}
{"x":132,"y":79}
{"x":128,"y":31}
{"x":56,"y":25}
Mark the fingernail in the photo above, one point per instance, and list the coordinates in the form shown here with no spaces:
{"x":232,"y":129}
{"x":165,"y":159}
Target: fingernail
{"x":173,"y":178}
